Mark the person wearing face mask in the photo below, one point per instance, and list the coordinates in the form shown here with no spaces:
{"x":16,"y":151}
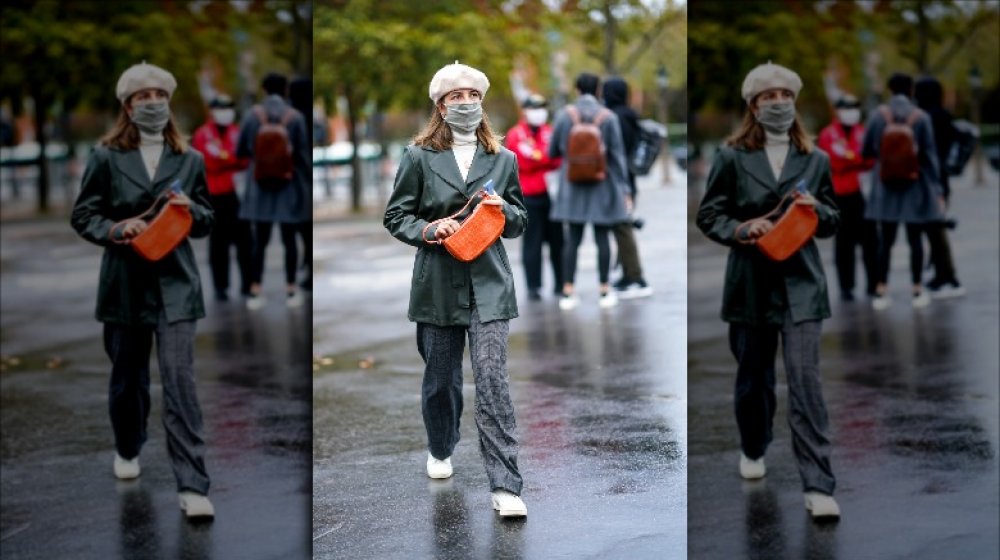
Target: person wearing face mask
{"x":762,"y":162}
{"x":841,"y":140}
{"x":449,"y":162}
{"x":136,"y":164}
{"x":216,"y":141}
{"x":529,"y":140}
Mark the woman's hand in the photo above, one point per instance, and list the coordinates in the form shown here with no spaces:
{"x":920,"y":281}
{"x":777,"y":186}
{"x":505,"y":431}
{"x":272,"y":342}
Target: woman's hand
{"x":133,"y":228}
{"x":180,"y":199}
{"x":446,"y":229}
{"x":758,"y":228}
{"x":493,"y":200}
{"x":805,"y":199}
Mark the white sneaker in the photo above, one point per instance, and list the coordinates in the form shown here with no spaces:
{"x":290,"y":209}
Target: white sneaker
{"x":438,"y":468}
{"x":126,"y":469}
{"x":294,"y":300}
{"x":195,"y":505}
{"x":566,"y":303}
{"x":821,"y":505}
{"x":608,"y":300}
{"x":921,"y":300}
{"x":752,"y":469}
{"x":881,"y":303}
{"x":508,"y":504}
{"x":255,"y":302}
{"x":948,"y":290}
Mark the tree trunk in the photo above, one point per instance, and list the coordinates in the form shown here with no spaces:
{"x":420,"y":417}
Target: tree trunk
{"x":43,"y":169}
{"x":352,"y":133}
{"x":610,"y":38}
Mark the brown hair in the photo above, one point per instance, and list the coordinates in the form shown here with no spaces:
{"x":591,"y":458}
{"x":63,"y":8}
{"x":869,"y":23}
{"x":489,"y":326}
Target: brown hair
{"x":750,"y":134}
{"x":124,"y":135}
{"x":437,"y":134}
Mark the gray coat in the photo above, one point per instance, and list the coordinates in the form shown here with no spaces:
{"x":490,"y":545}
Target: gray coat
{"x":595,"y":203}
{"x":919,"y":202}
{"x":293,"y":203}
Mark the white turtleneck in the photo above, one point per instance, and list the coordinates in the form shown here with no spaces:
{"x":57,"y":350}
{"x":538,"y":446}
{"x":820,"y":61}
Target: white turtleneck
{"x":776,"y":146}
{"x":464,"y":148}
{"x":151,"y":149}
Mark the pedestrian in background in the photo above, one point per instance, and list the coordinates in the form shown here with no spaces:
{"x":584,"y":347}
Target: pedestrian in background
{"x":134,"y":165}
{"x":761,"y":163}
{"x":841,"y":141}
{"x":529,"y":139}
{"x":945,"y":284}
{"x":601,"y":200}
{"x":914,"y":202}
{"x":216,"y":141}
{"x":632,"y":283}
{"x":449,"y":162}
{"x":281,"y":192}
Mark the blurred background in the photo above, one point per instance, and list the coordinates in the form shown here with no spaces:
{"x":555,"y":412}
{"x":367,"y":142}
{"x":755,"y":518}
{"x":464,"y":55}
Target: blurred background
{"x":63,"y":59}
{"x":374,"y":61}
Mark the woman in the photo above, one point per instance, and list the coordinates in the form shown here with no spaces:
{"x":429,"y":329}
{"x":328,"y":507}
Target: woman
{"x":136,"y":163}
{"x":448,"y":163}
{"x":762,"y":162}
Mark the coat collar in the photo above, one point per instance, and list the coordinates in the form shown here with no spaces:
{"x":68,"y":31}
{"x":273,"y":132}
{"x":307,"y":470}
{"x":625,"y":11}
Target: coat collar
{"x":444,"y":165}
{"x":131,"y":165}
{"x":756,"y":164}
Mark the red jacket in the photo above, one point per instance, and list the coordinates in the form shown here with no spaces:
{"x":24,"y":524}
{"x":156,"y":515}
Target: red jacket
{"x":532,"y":151}
{"x":221,"y":162}
{"x":845,"y":156}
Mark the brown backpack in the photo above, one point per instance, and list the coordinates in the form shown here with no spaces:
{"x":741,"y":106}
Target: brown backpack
{"x":585,"y":152}
{"x":899,"y":166}
{"x":272,"y":151}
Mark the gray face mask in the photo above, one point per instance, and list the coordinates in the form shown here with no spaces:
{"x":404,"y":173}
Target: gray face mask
{"x":151,"y":118}
{"x":778,"y":117}
{"x":464,"y":117}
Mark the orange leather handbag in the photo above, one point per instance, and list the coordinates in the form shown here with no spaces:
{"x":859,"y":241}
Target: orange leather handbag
{"x":478,"y":230}
{"x":794,"y":228}
{"x":164,"y":232}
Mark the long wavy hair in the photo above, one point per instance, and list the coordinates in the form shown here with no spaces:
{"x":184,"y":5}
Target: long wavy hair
{"x":750,"y":135}
{"x":437,"y":134}
{"x":124,"y":135}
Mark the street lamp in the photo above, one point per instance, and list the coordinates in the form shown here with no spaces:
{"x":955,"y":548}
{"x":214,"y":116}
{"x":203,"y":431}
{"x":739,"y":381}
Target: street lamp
{"x":976,"y":85}
{"x":663,"y":83}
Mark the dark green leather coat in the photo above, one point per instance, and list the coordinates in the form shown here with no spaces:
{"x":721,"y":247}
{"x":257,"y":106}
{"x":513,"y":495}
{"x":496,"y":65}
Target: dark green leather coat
{"x":741,"y":186}
{"x":131,"y":290}
{"x":428,"y":187}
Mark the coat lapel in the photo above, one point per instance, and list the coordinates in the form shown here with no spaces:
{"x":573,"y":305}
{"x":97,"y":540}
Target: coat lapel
{"x":755,"y":164}
{"x":481,"y":165}
{"x":170,"y":162}
{"x":795,"y":163}
{"x":443,"y":164}
{"x":130,"y":164}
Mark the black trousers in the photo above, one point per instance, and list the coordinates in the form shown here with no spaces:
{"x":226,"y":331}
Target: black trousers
{"x":540,"y":231}
{"x":887,"y":237}
{"x":937,"y":238}
{"x":262,"y":236}
{"x":855,"y":231}
{"x":573,"y":247}
{"x":229,"y":231}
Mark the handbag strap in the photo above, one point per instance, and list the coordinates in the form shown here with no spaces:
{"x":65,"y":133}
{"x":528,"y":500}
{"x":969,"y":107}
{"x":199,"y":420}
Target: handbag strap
{"x":423,"y":234}
{"x":151,"y":210}
{"x":746,"y":224}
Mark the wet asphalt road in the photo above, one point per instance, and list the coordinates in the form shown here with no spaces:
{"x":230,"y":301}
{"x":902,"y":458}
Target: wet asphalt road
{"x":60,"y":498}
{"x":913,"y":402}
{"x":599,"y":395}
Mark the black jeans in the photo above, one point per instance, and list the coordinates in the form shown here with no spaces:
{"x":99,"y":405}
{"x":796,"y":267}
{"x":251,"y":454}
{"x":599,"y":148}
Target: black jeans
{"x":937,"y":238}
{"x":573,"y":246}
{"x":229,"y":231}
{"x":541,"y":231}
{"x":855,"y":231}
{"x":262,"y":237}
{"x":887,"y":237}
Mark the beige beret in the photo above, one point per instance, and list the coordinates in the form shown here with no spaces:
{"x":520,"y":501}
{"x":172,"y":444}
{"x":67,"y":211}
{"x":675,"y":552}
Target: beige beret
{"x":143,"y":76}
{"x":770,"y":76}
{"x":457,"y":76}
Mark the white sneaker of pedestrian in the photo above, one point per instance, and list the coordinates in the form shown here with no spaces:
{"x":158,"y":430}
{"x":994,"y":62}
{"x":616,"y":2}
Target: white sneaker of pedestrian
{"x":921,"y":300}
{"x":881,"y":303}
{"x":821,"y":505}
{"x":508,"y":504}
{"x":752,"y":469}
{"x":126,"y":469}
{"x":567,"y":303}
{"x":438,"y":468}
{"x":195,"y":505}
{"x":294,"y":300}
{"x":608,"y":300}
{"x":255,"y":302}
{"x":951,"y":290}
{"x":634,"y":290}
